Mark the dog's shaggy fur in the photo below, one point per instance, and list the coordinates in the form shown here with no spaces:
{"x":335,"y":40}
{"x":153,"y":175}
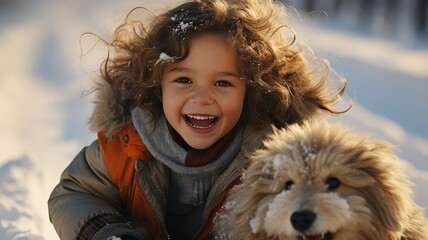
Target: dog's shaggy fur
{"x":322,"y":181}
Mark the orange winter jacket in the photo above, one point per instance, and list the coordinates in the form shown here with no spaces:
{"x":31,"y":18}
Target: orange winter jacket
{"x":125,"y":155}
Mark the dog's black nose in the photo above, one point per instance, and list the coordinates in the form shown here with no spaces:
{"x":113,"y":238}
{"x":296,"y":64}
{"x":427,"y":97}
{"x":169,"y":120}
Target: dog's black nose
{"x":303,"y":219}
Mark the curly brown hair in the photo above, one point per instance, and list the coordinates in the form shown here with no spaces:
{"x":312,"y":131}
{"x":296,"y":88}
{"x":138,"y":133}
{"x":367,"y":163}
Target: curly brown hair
{"x":282,"y":88}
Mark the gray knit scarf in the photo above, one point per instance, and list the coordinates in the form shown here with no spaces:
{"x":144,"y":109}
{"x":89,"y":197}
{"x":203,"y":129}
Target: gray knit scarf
{"x":161,"y":145}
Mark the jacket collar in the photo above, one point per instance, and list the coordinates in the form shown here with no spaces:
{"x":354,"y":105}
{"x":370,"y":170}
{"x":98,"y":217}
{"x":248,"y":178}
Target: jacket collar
{"x":110,"y":113}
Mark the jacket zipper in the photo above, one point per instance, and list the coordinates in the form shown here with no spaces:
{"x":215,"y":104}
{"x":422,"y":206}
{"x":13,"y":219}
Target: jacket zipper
{"x":156,"y":195}
{"x":231,"y":178}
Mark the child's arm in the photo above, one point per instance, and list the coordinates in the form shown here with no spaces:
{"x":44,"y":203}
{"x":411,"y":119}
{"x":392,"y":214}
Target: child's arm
{"x":87,"y":200}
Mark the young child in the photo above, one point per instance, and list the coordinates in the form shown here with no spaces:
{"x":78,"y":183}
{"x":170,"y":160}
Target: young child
{"x":182,"y":105}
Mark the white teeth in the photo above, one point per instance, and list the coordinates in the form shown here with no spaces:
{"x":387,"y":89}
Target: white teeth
{"x":200,"y":117}
{"x":202,"y":127}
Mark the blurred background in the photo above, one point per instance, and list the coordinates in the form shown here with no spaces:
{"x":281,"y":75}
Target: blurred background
{"x":396,"y":18}
{"x":380,"y":46}
{"x":378,"y":73}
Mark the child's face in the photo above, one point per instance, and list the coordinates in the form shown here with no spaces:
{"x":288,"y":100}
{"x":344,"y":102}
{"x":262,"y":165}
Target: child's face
{"x":203,"y":95}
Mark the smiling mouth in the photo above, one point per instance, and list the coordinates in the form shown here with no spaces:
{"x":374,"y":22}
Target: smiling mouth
{"x":325,"y":236}
{"x":200,"y":121}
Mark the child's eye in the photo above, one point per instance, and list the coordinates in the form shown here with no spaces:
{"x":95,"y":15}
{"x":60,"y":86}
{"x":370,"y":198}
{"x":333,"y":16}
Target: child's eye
{"x":183,"y":80}
{"x":222,"y":83}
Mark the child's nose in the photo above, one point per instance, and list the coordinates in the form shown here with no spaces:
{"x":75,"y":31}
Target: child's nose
{"x":202,"y":97}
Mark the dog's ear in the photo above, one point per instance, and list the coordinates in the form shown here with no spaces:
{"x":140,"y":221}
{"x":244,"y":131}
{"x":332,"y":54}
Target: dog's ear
{"x":242,"y":203}
{"x":390,"y":195}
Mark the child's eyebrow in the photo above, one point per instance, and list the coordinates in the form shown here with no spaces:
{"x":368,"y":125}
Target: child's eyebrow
{"x":180,"y":69}
{"x":226,"y":74}
{"x":189,"y":70}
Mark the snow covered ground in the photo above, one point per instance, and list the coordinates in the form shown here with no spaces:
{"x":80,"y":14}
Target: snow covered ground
{"x":44,"y":109}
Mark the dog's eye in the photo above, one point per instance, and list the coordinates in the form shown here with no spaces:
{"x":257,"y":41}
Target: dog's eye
{"x":288,"y":185}
{"x":333,"y":183}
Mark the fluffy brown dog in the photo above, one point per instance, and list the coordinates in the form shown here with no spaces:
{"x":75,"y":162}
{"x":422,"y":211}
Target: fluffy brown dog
{"x":323,"y":182}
